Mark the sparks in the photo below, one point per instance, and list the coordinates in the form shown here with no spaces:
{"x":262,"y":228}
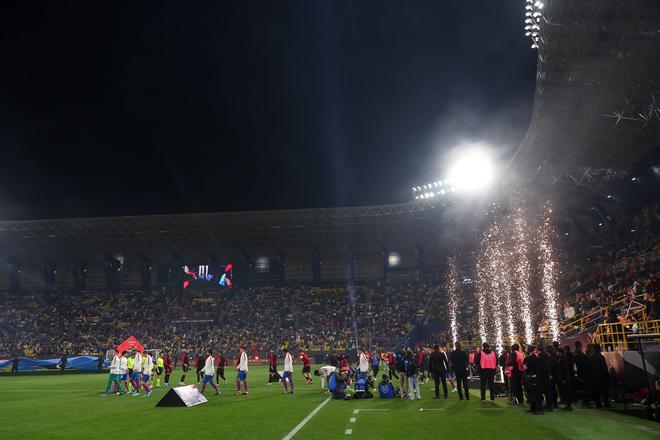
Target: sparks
{"x":522,"y":272}
{"x":549,"y":275}
{"x":452,"y":290}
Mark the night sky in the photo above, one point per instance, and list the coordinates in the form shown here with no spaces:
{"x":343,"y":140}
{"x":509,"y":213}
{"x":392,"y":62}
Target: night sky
{"x":171,"y":107}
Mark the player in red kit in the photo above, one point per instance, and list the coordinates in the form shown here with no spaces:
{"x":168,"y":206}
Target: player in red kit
{"x":273,"y":375}
{"x":307,"y":366}
{"x":185,"y":366}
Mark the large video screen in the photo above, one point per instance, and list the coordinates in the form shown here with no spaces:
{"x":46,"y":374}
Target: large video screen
{"x":208,"y":277}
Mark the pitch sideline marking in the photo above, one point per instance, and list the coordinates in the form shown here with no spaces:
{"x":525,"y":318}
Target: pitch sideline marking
{"x":304,"y":421}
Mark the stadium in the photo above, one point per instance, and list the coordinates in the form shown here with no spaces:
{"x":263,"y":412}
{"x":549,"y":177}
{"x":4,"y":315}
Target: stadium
{"x":512,"y":293}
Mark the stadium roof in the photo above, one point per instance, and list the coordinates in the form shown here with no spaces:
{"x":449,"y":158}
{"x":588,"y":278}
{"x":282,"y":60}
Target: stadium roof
{"x":597,"y":102}
{"x":231,"y":230}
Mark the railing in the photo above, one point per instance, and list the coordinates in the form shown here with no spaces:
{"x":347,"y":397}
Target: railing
{"x":614,"y":336}
{"x":599,"y":314}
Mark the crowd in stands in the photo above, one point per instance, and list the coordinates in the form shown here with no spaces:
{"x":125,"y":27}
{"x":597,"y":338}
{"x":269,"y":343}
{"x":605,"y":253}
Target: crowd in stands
{"x":618,"y":274}
{"x":317,"y":319}
{"x":262,"y":318}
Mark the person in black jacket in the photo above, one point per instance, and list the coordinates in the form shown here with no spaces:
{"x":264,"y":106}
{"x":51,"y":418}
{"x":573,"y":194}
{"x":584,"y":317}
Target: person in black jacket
{"x":565,"y":377}
{"x":460,"y":363}
{"x":652,"y":402}
{"x":14,"y":364}
{"x":517,"y":359}
{"x":582,"y":374}
{"x":333,"y":359}
{"x":439,"y":365}
{"x":600,"y":377}
{"x":552,"y":366}
{"x":63,"y":363}
{"x":533,"y":367}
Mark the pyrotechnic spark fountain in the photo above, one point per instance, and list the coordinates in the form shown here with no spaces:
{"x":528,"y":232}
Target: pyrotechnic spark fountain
{"x":504,"y":252}
{"x":452,"y":290}
{"x":489,"y":271}
{"x":482,"y":267}
{"x":497,"y":264}
{"x":549,"y":278}
{"x":522,"y":271}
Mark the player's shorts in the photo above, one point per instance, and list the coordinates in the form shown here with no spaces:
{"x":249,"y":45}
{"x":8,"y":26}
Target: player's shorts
{"x":185,"y":368}
{"x":242,"y":375}
{"x":287,"y":375}
{"x":272,"y":369}
{"x":450,"y":375}
{"x":123,"y":377}
{"x":306,"y":368}
{"x":159,"y":371}
{"x":130,"y":372}
{"x":208,"y":378}
{"x":145,"y":378}
{"x":136,"y":375}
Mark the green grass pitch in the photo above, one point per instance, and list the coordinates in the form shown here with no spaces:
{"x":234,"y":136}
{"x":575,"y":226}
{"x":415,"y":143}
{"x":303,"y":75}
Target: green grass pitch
{"x":69,"y":407}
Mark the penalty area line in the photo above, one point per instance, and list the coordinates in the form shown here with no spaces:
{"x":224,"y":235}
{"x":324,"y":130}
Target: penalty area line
{"x":304,"y":421}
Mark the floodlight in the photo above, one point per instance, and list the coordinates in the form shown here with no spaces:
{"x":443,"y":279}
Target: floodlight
{"x":473,"y":169}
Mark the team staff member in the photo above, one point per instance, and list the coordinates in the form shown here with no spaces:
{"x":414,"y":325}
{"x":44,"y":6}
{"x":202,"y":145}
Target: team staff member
{"x":487,"y":362}
{"x":306,"y":368}
{"x":439,"y":365}
{"x":460,"y":363}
